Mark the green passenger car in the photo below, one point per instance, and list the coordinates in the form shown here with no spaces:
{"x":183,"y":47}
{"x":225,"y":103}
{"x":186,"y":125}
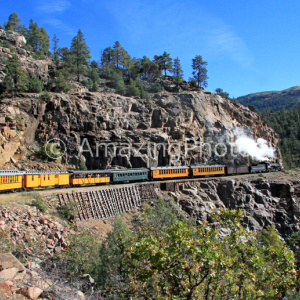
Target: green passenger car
{"x":130,"y":175}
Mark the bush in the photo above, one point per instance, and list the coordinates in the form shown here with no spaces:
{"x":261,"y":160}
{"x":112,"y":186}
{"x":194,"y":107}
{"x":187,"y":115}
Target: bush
{"x":86,"y":82}
{"x":156,"y":88}
{"x":49,"y":152}
{"x":61,"y":85}
{"x":132,"y":89}
{"x":83,"y":253}
{"x":95,"y":87}
{"x":35,"y":85}
{"x":39,"y":203}
{"x":82,"y":165}
{"x":118,"y":82}
{"x":46,"y":97}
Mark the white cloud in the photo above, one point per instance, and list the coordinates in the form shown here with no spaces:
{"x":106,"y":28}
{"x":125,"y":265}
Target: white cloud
{"x":52,"y":6}
{"x":223,"y":40}
{"x":61,"y":26}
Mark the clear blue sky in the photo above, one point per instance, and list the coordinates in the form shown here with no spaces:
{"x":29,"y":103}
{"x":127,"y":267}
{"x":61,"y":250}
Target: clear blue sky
{"x":250,"y":46}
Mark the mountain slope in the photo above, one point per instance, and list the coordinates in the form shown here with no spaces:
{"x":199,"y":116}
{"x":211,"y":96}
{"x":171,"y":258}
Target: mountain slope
{"x":275,"y":100}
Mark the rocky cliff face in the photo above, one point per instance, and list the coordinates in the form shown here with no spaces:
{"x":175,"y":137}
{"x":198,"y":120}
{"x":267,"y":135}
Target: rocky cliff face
{"x":179,"y":122}
{"x":265,"y":202}
{"x":105,"y":129}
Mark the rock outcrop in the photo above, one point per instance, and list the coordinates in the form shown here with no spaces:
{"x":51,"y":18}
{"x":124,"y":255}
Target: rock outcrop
{"x":171,"y":129}
{"x":264,"y":202}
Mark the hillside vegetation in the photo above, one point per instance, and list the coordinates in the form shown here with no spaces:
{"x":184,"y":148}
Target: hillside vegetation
{"x":286,"y":123}
{"x":274,"y":100}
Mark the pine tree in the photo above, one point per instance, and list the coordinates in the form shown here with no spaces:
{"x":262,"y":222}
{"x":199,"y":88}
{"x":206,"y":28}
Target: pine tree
{"x":66,"y":61}
{"x":120,"y":56}
{"x":200,"y":71}
{"x":35,"y":85}
{"x":13,"y":23}
{"x":148,"y":68}
{"x":80,"y":54}
{"x":177,"y":71}
{"x":164,"y":62}
{"x":38,"y":39}
{"x":107,"y":62}
{"x":15,"y":79}
{"x":55,"y":42}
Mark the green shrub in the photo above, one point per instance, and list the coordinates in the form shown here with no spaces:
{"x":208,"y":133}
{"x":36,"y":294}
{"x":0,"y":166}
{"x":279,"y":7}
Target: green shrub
{"x":86,"y":82}
{"x":49,"y":152}
{"x":35,"y":85}
{"x":82,"y":165}
{"x":61,"y":85}
{"x":156,"y":88}
{"x":95,"y":87}
{"x":46,"y":97}
{"x":39,"y":203}
{"x":83,"y":252}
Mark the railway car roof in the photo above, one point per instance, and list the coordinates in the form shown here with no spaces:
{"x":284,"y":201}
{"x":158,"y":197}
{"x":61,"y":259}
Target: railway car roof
{"x":207,"y":166}
{"x":130,"y":170}
{"x":45,"y":172}
{"x":169,"y":168}
{"x":107,"y":171}
{"x":11,"y":172}
{"x":90,"y":172}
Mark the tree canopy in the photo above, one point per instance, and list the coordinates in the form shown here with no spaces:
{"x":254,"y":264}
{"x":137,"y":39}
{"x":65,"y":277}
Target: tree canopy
{"x":199,"y":71}
{"x":80,"y":54}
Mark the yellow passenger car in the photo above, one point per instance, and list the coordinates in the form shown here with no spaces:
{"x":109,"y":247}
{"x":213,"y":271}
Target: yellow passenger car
{"x":44,"y":179}
{"x":205,"y":170}
{"x":169,"y":172}
{"x":10,"y":180}
{"x":89,"y":177}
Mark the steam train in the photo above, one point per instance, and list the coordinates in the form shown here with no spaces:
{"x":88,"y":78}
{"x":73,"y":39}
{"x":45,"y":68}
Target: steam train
{"x":18,"y":180}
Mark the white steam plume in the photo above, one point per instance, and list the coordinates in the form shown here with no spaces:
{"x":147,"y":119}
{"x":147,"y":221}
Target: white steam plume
{"x":258,"y":150}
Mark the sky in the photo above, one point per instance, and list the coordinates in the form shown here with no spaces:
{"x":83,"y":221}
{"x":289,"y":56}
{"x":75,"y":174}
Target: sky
{"x":249,"y":46}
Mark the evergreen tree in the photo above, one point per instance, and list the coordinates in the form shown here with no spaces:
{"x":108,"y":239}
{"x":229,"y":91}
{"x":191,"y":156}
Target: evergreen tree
{"x":148,"y":68}
{"x":118,"y":82}
{"x":35,"y":85}
{"x":93,"y":75}
{"x":38,"y":39}
{"x":13,"y":23}
{"x":220,"y":92}
{"x":200,"y":71}
{"x":61,"y":85}
{"x":94,"y":65}
{"x":80,"y":54}
{"x":15,"y":79}
{"x":120,"y":56}
{"x":164,"y":62}
{"x":177,"y":71}
{"x":95,"y":87}
{"x":107,"y":61}
{"x":66,"y":61}
{"x":55,"y":42}
{"x":132,"y":89}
